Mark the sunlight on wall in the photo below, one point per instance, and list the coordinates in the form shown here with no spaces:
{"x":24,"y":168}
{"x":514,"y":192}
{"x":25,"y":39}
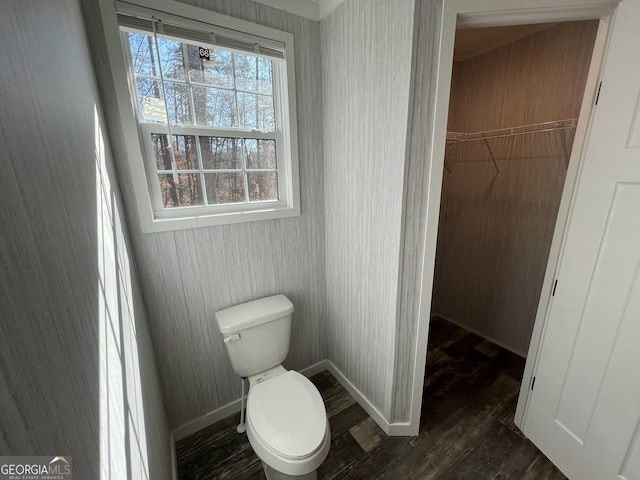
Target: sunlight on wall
{"x":123,"y":444}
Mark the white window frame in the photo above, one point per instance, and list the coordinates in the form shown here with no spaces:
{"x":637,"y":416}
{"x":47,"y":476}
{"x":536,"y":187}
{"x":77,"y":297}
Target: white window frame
{"x":141,"y":159}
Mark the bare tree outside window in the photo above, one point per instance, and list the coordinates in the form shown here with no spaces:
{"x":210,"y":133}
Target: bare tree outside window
{"x":229,"y":92}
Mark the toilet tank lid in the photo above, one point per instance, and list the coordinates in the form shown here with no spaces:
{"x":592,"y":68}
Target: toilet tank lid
{"x":250,"y":314}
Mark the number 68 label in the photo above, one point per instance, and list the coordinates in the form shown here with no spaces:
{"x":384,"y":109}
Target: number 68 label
{"x":204,"y":53}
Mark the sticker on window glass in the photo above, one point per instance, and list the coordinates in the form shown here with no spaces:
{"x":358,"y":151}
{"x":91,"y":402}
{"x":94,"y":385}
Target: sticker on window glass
{"x":204,"y":53}
{"x":154,"y":109}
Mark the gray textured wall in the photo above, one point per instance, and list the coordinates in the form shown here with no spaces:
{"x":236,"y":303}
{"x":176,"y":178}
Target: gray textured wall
{"x":417,"y":173}
{"x":188,"y":275}
{"x":496,"y":230}
{"x":76,"y":364}
{"x":366,"y":60}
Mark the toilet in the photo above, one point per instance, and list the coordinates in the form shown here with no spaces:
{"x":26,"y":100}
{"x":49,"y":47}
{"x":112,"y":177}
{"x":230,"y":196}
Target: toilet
{"x":286,"y":423}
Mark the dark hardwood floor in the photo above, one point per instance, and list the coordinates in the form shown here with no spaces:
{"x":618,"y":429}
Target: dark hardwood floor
{"x":466,"y":430}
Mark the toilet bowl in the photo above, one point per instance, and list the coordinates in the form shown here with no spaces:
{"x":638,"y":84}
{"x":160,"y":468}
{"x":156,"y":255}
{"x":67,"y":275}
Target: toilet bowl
{"x":286,"y":423}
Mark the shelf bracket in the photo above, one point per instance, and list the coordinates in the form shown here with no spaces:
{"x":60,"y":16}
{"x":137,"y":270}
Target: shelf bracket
{"x":563,"y":137}
{"x":493,"y":159}
{"x":451,"y":146}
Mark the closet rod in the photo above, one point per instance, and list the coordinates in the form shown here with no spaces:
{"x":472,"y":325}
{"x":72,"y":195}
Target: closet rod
{"x":455,"y":137}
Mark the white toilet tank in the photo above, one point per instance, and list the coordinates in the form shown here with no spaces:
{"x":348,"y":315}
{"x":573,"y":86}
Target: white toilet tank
{"x":256,"y":333}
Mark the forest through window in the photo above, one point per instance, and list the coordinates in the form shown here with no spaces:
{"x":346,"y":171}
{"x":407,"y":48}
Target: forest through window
{"x":209,"y":118}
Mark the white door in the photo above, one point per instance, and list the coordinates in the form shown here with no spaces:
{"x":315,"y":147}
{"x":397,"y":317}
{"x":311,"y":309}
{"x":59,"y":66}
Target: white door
{"x":584,"y":410}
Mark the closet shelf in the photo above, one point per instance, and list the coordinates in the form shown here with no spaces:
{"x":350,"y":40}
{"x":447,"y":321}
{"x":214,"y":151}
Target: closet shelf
{"x":454,"y":138}
{"x":508,"y":132}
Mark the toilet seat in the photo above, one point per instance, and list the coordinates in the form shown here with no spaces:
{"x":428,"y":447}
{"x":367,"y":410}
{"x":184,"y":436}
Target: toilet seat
{"x":286,"y":415}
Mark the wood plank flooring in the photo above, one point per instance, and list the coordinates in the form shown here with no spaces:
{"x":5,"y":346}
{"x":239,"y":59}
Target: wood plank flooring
{"x":466,"y":432}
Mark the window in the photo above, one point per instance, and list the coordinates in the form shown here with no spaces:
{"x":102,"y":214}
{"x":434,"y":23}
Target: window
{"x":215,"y":113}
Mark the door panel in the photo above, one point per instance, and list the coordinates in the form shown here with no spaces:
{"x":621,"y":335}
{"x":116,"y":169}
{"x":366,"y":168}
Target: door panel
{"x":584,"y":412}
{"x":614,"y":280}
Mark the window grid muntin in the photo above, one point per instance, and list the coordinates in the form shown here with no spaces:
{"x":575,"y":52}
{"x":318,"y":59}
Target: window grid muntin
{"x":200,"y":84}
{"x":205,"y":195}
{"x":283,"y":81}
{"x":150,"y":129}
{"x":235,"y":89}
{"x":187,"y":75}
{"x":207,"y":130}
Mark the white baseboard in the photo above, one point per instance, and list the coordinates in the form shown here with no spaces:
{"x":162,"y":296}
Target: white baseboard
{"x":207,"y":419}
{"x":311,"y":370}
{"x":403,"y":429}
{"x":392,"y":429}
{"x":480,"y":334}
{"x":359,"y":397}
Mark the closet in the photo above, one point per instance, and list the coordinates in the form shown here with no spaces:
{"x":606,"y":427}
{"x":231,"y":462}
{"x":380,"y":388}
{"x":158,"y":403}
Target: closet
{"x":515,"y":101}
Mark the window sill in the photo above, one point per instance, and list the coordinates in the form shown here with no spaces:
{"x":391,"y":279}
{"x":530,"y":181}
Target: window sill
{"x":164,"y":224}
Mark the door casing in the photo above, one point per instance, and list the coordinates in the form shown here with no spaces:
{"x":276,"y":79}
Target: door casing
{"x":491,"y":13}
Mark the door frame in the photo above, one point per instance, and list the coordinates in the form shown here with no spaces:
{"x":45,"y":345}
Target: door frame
{"x":491,"y":13}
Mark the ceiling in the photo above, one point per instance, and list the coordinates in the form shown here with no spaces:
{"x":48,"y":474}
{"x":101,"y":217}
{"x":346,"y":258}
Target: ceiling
{"x":471,"y":42}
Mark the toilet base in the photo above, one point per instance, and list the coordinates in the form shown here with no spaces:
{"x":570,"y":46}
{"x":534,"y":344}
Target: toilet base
{"x":275,"y":475}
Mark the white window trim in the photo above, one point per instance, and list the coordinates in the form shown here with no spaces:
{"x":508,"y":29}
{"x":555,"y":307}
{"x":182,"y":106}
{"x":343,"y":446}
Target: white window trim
{"x":193,"y":217}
